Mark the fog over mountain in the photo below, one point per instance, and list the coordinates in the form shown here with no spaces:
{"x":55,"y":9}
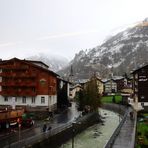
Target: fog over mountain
{"x":55,"y":62}
{"x":120,"y":53}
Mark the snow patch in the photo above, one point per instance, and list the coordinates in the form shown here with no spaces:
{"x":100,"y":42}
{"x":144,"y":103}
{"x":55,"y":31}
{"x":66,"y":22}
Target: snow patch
{"x":119,"y":63}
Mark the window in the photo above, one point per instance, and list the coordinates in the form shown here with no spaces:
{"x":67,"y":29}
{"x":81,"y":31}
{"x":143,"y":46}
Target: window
{"x":24,"y":99}
{"x":42,"y":100}
{"x":33,"y":100}
{"x":6,"y":99}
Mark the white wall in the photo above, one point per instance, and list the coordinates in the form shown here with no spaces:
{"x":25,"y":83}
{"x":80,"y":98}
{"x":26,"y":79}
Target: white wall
{"x":52,"y":100}
{"x":49,"y":100}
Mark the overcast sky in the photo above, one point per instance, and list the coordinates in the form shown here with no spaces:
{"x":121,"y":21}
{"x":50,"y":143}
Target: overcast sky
{"x":62,"y":27}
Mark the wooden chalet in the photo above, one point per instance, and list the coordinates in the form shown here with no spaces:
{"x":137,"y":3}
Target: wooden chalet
{"x":140,"y":88}
{"x":27,"y":84}
{"x":110,"y":86}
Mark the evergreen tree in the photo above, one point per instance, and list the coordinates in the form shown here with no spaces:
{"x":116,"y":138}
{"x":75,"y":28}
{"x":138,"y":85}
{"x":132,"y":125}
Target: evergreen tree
{"x":89,"y":96}
{"x":80,"y":99}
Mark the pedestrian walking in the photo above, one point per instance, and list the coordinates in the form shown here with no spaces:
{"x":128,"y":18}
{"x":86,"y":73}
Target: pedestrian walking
{"x":44,"y":127}
{"x":49,"y":128}
{"x":131,"y":115}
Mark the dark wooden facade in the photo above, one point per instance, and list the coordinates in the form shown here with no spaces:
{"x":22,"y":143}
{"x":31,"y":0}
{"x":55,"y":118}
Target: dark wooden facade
{"x":140,"y":83}
{"x":63,"y":94}
{"x":120,"y":84}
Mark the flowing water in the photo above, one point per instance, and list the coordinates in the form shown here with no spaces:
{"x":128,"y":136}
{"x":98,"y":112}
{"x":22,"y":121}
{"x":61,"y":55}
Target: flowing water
{"x":97,"y":135}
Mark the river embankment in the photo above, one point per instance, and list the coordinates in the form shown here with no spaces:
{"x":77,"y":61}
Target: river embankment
{"x":55,"y":140}
{"x":117,"y":108}
{"x":98,"y":134}
{"x":56,"y":137}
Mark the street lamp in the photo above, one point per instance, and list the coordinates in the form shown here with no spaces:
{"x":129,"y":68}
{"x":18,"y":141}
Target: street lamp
{"x":73,"y":131}
{"x":8,"y":130}
{"x":119,"y":112}
{"x":73,"y":134}
{"x":19,"y":129}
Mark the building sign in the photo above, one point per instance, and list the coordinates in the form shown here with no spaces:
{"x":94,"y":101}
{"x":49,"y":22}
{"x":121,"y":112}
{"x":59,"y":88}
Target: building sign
{"x":142,"y":88}
{"x":143,"y":79}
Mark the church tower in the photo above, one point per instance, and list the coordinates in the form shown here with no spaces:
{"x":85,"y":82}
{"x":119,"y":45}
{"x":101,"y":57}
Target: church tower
{"x":71,"y":75}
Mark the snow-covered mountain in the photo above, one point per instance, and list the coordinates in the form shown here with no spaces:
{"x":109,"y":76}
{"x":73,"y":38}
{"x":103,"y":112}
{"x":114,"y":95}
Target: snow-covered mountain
{"x":55,"y":62}
{"x":120,"y":53}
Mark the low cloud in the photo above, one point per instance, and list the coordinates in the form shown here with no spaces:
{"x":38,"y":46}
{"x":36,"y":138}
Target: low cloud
{"x":10,"y":44}
{"x":70,"y":34}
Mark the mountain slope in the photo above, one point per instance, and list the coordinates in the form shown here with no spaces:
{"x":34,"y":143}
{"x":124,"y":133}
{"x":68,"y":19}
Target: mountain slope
{"x":120,"y":53}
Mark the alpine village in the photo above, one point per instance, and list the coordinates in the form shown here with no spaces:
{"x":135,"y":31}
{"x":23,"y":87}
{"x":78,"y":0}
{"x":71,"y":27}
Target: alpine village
{"x":43,"y":108}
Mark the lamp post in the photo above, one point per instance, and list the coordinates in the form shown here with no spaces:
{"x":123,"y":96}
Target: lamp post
{"x":8,"y":130}
{"x":73,"y":134}
{"x":119,"y":112}
{"x":19,"y":129}
{"x":73,"y":131}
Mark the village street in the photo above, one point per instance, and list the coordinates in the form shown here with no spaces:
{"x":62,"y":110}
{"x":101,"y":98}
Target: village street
{"x":59,"y":119}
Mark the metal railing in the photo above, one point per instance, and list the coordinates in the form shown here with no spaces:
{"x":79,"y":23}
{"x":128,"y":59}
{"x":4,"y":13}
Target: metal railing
{"x":31,"y":140}
{"x":116,"y":132}
{"x":39,"y":137}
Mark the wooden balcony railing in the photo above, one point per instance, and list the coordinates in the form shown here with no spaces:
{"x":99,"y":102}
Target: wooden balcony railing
{"x":18,"y":93}
{"x":17,"y":74}
{"x":18,"y":84}
{"x":17,"y":67}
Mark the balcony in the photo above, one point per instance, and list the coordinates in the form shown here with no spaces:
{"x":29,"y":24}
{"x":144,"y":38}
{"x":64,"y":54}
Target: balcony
{"x":24,"y":75}
{"x":14,"y":67}
{"x":18,"y":74}
{"x":18,"y":84}
{"x":7,"y":83}
{"x":18,"y":93}
{"x":5,"y":74}
{"x":28,"y":84}
{"x":25,"y":84}
{"x":26,"y":93}
{"x":8,"y":93}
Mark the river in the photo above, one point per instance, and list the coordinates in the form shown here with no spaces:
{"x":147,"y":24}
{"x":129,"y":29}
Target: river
{"x":97,"y":135}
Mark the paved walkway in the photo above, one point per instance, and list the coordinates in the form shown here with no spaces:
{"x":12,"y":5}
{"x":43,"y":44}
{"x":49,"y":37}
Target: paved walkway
{"x":126,"y":137}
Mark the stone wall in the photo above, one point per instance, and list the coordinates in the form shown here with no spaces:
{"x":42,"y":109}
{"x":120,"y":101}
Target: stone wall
{"x":120,"y":109}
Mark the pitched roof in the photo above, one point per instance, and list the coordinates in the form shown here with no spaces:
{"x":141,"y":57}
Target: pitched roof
{"x":139,"y":69}
{"x":28,"y":62}
{"x":38,"y":62}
